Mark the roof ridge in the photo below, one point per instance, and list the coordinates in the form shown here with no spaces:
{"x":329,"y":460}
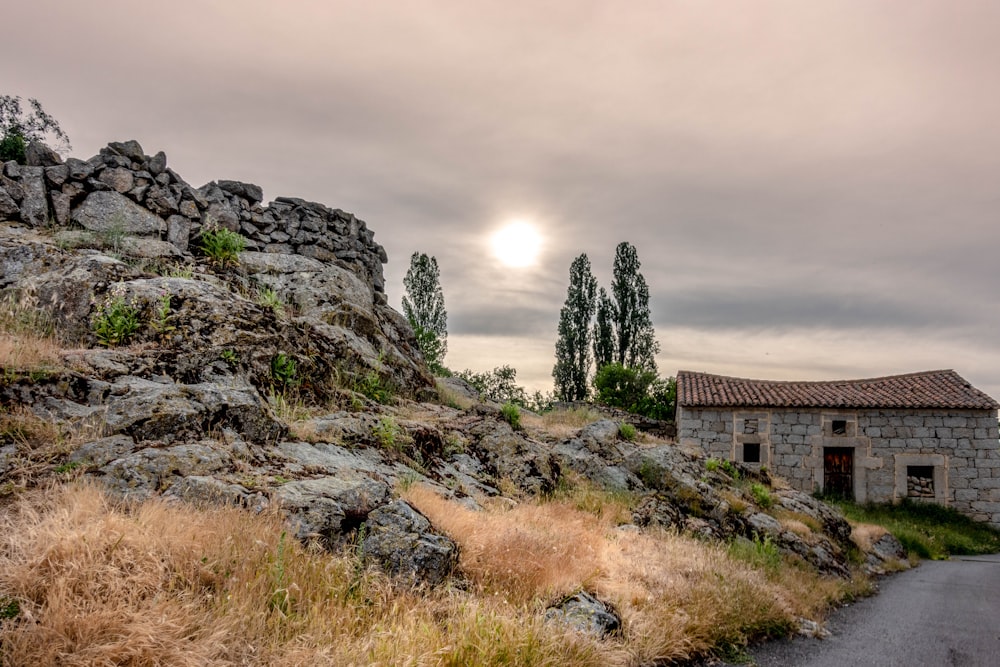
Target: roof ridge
{"x":843,"y":381}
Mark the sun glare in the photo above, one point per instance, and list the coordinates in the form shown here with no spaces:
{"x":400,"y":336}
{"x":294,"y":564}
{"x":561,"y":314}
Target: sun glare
{"x":517,"y":244}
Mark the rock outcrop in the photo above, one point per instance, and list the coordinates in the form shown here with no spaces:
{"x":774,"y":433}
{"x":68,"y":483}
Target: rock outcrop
{"x":205,"y":397}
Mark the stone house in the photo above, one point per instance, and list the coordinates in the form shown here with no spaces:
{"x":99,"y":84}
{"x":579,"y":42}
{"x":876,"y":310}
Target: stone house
{"x":930,"y":436}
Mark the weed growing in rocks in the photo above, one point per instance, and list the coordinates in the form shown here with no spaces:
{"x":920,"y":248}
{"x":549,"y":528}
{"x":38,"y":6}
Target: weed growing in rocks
{"x":512,"y":415}
{"x":283,"y":370}
{"x":711,"y":464}
{"x":761,"y":494}
{"x":161,"y":314}
{"x":371,"y":386}
{"x":387,"y":433}
{"x":230,"y":357}
{"x":627,"y":431}
{"x":221,"y":245}
{"x":116,"y":320}
{"x":268,"y":298}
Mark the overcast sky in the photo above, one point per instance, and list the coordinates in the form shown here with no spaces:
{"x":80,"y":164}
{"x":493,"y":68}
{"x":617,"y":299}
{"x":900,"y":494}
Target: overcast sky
{"x":812,"y":186}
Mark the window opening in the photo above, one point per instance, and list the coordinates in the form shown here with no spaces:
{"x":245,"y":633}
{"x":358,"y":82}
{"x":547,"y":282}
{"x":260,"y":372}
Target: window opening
{"x":839,"y":427}
{"x":751,"y":452}
{"x":919,"y":481}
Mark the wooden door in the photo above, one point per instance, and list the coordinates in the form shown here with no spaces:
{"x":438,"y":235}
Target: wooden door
{"x":838,"y":471}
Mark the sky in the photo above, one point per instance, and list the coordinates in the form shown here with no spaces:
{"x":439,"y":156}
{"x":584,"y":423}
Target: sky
{"x":812,"y":187}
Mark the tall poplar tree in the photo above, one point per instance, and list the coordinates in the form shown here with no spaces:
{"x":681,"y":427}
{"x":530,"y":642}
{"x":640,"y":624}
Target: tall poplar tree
{"x":635,"y":343}
{"x":604,"y":336}
{"x":573,"y":347}
{"x":423,"y":305}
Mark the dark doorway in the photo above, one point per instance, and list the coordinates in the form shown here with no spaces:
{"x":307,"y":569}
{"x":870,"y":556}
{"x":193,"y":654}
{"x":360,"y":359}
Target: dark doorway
{"x":838,"y":472}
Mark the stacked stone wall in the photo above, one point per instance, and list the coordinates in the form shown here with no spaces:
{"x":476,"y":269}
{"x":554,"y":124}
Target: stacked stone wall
{"x":124,"y":186}
{"x":960,"y":447}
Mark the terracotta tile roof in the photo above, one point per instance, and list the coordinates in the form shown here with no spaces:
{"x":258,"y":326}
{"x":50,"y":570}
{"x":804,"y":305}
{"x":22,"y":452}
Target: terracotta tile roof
{"x":930,"y":389}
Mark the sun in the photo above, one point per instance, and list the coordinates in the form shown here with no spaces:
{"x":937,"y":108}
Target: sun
{"x":517,"y":244}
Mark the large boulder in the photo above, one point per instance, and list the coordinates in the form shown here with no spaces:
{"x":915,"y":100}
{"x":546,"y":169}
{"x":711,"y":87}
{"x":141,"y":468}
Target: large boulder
{"x":110,"y":212}
{"x":401,"y":540}
{"x":585,"y":613}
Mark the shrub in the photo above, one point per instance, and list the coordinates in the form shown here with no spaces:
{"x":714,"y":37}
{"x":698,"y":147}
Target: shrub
{"x":283,"y":369}
{"x":371,"y":386}
{"x":761,"y":494}
{"x":387,"y":433}
{"x":711,"y":465}
{"x":627,"y":431}
{"x":639,"y":392}
{"x":221,"y":245}
{"x":116,"y":320}
{"x":512,"y":415}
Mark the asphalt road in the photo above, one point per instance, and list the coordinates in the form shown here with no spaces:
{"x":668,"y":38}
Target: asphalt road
{"x":939,"y":614}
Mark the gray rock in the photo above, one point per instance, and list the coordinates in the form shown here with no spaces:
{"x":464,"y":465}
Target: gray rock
{"x":101,"y":452}
{"x":8,"y":207}
{"x":264,"y":262}
{"x":149,"y":410}
{"x":253,"y":193}
{"x":61,"y":207}
{"x":118,"y":179}
{"x":886,"y":552}
{"x":109,"y":211}
{"x":37,"y":154}
{"x":585,"y":613}
{"x":56,"y":175}
{"x":179,"y":231}
{"x":35,"y":205}
{"x":329,"y":508}
{"x":153,"y":469}
{"x":129,"y":149}
{"x":157,"y":163}
{"x":78,"y":170}
{"x":402,"y":541}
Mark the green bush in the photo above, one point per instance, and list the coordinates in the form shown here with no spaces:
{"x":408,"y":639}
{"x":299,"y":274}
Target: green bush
{"x":639,"y":392}
{"x":283,"y":369}
{"x":116,"y":320}
{"x":387,"y":432}
{"x":372,"y":386}
{"x":761,"y":494}
{"x":711,"y":465}
{"x":512,"y":415}
{"x":221,"y":245}
{"x":12,"y":147}
{"x":627,"y":431}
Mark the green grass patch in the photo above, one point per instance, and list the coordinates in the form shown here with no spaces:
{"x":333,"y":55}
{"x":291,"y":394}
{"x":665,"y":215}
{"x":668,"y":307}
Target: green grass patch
{"x":927,"y":530}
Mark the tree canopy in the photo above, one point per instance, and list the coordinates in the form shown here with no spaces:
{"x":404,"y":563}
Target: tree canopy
{"x":634,"y":340}
{"x":423,"y":305}
{"x":18,"y":128}
{"x":573,"y":349}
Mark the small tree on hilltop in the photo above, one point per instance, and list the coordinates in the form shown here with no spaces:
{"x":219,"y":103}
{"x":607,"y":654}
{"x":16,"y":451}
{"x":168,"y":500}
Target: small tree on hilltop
{"x":573,"y":346}
{"x":423,"y":305}
{"x":635,"y":343}
{"x":18,"y":129}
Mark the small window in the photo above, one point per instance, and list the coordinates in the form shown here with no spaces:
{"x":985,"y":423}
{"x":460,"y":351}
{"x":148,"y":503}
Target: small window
{"x":920,"y":481}
{"x":749,"y":427}
{"x":751,"y":452}
{"x":839,"y":427}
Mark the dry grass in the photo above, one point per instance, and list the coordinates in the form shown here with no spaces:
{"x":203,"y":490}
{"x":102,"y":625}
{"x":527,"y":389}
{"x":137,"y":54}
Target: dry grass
{"x":679,"y":597}
{"x":560,"y":424}
{"x":160,"y":584}
{"x":865,"y":535}
{"x":27,"y":340}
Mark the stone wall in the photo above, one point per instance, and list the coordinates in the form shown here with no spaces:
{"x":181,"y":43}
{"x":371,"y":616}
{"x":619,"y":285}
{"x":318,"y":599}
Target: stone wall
{"x":124,"y":187}
{"x":954,"y":452}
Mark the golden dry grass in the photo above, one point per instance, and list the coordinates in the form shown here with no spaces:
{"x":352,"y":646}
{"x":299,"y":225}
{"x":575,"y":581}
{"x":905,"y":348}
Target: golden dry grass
{"x":26,"y":353}
{"x":160,"y":584}
{"x":559,"y":424}
{"x":866,"y":534}
{"x":679,"y":597}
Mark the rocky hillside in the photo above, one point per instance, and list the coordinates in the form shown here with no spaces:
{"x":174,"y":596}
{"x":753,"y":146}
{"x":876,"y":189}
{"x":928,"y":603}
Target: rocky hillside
{"x":138,"y":356}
